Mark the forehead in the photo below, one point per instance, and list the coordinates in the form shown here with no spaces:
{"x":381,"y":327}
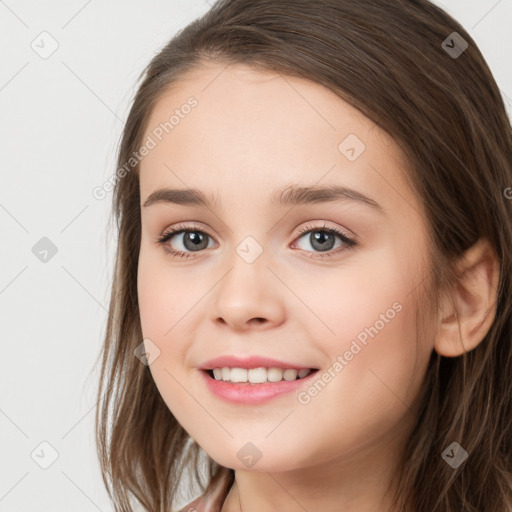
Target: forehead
{"x":258,"y":128}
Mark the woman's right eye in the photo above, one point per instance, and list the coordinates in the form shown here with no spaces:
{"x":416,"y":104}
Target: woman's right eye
{"x":194,"y":240}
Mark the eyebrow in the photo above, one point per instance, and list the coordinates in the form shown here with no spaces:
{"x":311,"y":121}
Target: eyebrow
{"x":290,"y":196}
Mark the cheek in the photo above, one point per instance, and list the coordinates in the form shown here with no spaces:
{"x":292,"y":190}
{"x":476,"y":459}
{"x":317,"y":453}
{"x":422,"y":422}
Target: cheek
{"x":375,"y":365}
{"x":368,"y":324}
{"x":163,"y":294}
{"x":165,"y":297}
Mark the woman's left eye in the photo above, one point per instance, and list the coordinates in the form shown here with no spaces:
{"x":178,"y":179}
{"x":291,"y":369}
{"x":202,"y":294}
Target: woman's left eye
{"x":322,"y":237}
{"x":195,"y":239}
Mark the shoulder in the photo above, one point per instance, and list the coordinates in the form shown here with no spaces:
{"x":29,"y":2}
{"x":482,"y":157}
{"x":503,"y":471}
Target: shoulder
{"x":213,"y":500}
{"x":204,"y":504}
{"x":197,"y":505}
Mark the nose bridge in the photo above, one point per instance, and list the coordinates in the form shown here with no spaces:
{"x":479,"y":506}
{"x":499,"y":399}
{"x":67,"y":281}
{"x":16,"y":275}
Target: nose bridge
{"x":248,"y":265}
{"x":248,"y":235}
{"x":250,"y":250}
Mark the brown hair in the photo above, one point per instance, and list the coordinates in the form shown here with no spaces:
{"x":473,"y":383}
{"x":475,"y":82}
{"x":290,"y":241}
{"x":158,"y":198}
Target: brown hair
{"x":384,"y":57}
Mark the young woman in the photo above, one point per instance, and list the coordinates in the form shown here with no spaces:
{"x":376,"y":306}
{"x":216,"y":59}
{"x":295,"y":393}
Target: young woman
{"x":312,"y":290}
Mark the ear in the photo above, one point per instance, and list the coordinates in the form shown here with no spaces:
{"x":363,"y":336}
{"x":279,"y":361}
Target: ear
{"x":466,"y":316}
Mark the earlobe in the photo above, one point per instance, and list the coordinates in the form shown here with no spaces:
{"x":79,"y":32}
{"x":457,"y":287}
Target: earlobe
{"x":467,"y":314}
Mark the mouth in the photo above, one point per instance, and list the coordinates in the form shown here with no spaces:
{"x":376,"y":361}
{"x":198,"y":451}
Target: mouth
{"x":235,"y":386}
{"x":261,"y":375}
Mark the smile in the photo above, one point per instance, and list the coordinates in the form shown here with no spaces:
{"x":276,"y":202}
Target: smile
{"x":234,"y":386}
{"x":258,"y":375}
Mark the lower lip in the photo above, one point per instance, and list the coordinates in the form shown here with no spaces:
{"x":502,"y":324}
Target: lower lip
{"x":250,"y":394}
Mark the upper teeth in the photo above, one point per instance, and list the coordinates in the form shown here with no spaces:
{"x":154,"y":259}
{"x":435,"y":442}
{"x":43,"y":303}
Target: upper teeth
{"x":258,"y":375}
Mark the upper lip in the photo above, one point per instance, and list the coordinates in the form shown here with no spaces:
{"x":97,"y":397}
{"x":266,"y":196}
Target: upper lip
{"x":248,"y":362}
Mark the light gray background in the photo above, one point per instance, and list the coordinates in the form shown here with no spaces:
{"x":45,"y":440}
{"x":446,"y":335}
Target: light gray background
{"x":62,"y":117}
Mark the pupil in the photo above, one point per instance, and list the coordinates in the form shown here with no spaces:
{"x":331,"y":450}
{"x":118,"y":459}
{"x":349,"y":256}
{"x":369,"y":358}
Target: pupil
{"x":318,"y":237}
{"x":196,"y":239}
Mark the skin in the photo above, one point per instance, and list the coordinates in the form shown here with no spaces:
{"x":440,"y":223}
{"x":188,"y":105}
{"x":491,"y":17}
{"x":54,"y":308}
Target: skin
{"x":252,"y":133}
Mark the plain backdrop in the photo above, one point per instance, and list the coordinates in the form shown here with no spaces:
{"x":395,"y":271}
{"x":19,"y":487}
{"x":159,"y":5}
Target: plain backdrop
{"x":61,"y":119}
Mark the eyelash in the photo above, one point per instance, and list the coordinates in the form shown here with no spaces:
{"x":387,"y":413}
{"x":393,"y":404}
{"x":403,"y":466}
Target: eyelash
{"x":349,"y":242}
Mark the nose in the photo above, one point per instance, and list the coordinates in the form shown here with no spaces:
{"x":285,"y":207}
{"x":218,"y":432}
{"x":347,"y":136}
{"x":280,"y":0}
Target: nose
{"x":249,"y":296}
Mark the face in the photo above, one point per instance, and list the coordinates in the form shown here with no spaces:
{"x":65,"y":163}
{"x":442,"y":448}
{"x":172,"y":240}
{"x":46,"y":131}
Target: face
{"x":327,"y":284}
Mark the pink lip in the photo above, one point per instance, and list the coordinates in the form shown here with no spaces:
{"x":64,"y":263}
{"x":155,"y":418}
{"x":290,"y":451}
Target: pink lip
{"x":252,"y":394}
{"x":249,"y":362}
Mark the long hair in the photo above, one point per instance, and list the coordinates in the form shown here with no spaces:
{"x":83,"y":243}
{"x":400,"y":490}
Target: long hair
{"x":388,"y":59}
